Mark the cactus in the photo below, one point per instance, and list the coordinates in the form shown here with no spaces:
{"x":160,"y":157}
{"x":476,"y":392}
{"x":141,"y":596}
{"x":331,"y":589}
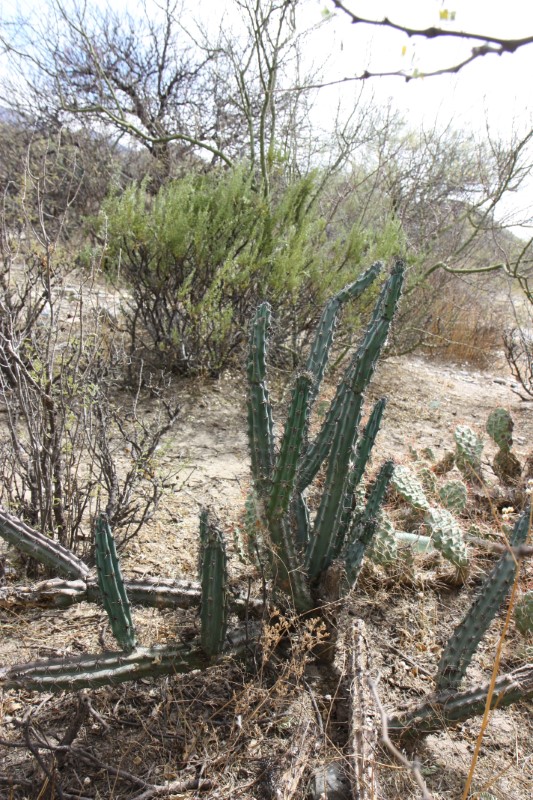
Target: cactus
{"x":213,"y":575}
{"x":468,"y":452}
{"x":41,"y":547}
{"x":111,"y":584}
{"x":446,"y":535}
{"x":364,"y":528}
{"x":91,"y":671}
{"x":384,"y":547}
{"x":523,"y":614}
{"x":506,"y":466}
{"x":449,"y":708}
{"x":409,"y":487}
{"x":500,"y":428}
{"x":453,"y":496}
{"x":463,"y":643}
{"x":299,"y":553}
{"x":428,"y":479}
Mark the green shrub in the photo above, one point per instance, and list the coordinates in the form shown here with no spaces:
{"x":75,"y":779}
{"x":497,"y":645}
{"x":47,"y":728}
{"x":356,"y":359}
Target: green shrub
{"x":200,"y":255}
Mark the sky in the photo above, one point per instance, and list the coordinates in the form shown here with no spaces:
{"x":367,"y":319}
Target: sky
{"x":493,"y":92}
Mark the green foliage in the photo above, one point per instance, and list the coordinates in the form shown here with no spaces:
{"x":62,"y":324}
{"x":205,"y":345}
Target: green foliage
{"x":202,"y":253}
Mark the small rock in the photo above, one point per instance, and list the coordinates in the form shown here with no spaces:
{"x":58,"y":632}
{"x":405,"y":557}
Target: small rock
{"x":330,"y":783}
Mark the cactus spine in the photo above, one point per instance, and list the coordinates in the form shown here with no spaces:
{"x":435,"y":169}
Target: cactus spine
{"x":463,"y":643}
{"x":213,"y":577}
{"x":111,"y":583}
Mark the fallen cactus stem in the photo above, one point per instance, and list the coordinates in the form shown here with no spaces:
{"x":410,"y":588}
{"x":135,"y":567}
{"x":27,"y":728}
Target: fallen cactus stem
{"x":149,"y":592}
{"x":110,"y":668}
{"x":41,"y":547}
{"x":448,"y":707}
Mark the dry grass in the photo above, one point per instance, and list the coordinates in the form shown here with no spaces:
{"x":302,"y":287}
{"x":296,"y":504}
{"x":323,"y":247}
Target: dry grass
{"x":467,"y":323}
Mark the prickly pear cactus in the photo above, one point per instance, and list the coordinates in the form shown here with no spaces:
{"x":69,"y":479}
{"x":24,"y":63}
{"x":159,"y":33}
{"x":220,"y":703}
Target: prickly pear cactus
{"x":507,"y":467}
{"x":500,"y":428}
{"x":447,"y":536}
{"x":468,"y":453}
{"x":428,"y":479}
{"x":453,"y":496}
{"x":384,"y":547}
{"x":409,"y":487}
{"x":523,"y":614}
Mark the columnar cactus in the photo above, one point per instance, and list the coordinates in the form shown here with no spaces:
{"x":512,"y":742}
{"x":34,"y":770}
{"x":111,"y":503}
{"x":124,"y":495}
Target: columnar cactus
{"x":111,"y":583}
{"x":300,"y":553}
{"x":462,"y":645}
{"x":213,"y":578}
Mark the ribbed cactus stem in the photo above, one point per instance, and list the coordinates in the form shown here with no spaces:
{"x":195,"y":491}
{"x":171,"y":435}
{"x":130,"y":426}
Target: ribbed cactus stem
{"x":362,"y":456}
{"x":320,"y":349}
{"x":260,"y":425}
{"x":149,"y":592}
{"x":331,"y":512}
{"x":283,"y":482}
{"x":449,"y":708}
{"x":464,"y":641}
{"x":104,"y":669}
{"x":356,"y":377}
{"x":111,"y":583}
{"x":91,"y":671}
{"x":213,"y":578}
{"x":364,"y":530}
{"x":40,"y":547}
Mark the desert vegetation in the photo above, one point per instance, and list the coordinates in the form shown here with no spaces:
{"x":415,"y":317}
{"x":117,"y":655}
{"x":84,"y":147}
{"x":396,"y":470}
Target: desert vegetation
{"x":265,"y":426}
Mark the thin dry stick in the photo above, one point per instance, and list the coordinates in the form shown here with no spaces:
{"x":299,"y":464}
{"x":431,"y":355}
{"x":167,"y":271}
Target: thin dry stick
{"x":495,"y":670}
{"x":399,"y":756}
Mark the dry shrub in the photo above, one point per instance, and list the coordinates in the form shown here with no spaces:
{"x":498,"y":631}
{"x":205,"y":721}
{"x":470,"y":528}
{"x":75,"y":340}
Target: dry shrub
{"x":466,"y":322}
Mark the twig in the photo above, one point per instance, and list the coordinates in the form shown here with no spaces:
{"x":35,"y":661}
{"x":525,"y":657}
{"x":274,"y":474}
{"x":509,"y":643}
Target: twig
{"x":398,"y":755}
{"x":73,"y":729}
{"x":49,"y":782}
